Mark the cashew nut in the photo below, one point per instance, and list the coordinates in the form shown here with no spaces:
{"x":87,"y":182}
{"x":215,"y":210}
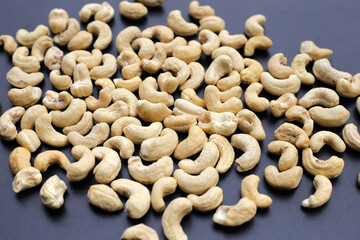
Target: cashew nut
{"x":300,"y":114}
{"x":28,"y":139}
{"x":71,"y":115}
{"x":188,"y":53}
{"x":198,"y":12}
{"x":197,"y":184}
{"x":293,"y":134}
{"x":118,"y":125}
{"x":124,"y":145}
{"x":146,"y":47}
{"x":322,"y":194}
{"x":349,"y":88}
{"x":279,"y":87}
{"x":249,"y":189}
{"x":351,"y":136}
{"x":111,"y":113}
{"x":24,"y":97}
{"x":253,"y":25}
{"x":85,"y":163}
{"x":26,"y":178}
{"x":109,"y":167}
{"x":104,"y":197}
{"x":298,"y":65}
{"x":252,"y":71}
{"x":288,"y":154}
{"x":319,"y":139}
{"x":40,"y":46}
{"x":178,"y":24}
{"x":325,"y":97}
{"x":98,"y":134}
{"x":8,"y":119}
{"x":281,"y":105}
{"x":252,"y":152}
{"x":103,"y":32}
{"x":161,"y":188}
{"x":169,"y":46}
{"x":314,"y":51}
{"x":192,"y":144}
{"x":130,"y":84}
{"x":164,"y":145}
{"x":130,"y":63}
{"x":323,"y":71}
{"x":19,"y":159}
{"x":257,"y":42}
{"x":329,"y":168}
{"x":52,"y":192}
{"x":63,"y":38}
{"x":229,"y":82}
{"x":53,"y":58}
{"x":212,"y":23}
{"x":60,"y":82}
{"x":140,"y":231}
{"x":47,"y":133}
{"x":137,"y":133}
{"x":190,"y":95}
{"x":106,"y":70}
{"x":132,"y":10}
{"x":180,"y":69}
{"x":125,"y":37}
{"x":184,"y":107}
{"x":59,"y":101}
{"x":249,"y":123}
{"x":45,"y":159}
{"x":152,"y":112}
{"x":58,"y":19}
{"x":104,"y":100}
{"x":213,"y":103}
{"x":227,"y":153}
{"x":29,"y":117}
{"x":210,"y":41}
{"x":224,"y":123}
{"x":285,"y":180}
{"x":148,"y":91}
{"x":252,"y":99}
{"x":102,"y":12}
{"x":27,"y":39}
{"x":330,"y":117}
{"x":238,"y":62}
{"x":208,"y":201}
{"x":27,"y":63}
{"x":235,"y":41}
{"x":122,"y":94}
{"x":8,"y":43}
{"x":277,"y":66}
{"x":153,"y":65}
{"x":139,"y":197}
{"x":69,"y":63}
{"x":83,"y":126}
{"x":180,"y":123}
{"x":151,"y":173}
{"x":162,"y":33}
{"x":81,"y":41}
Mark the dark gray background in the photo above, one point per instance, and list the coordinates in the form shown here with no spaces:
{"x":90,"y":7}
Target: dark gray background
{"x":329,"y":23}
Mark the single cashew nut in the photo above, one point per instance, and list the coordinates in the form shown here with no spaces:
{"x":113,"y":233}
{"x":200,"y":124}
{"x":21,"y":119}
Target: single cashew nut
{"x":226,"y":151}
{"x":285,"y":180}
{"x":349,"y":88}
{"x":132,"y":10}
{"x":151,"y":173}
{"x":252,"y":152}
{"x":153,"y":65}
{"x":235,"y":41}
{"x":252,"y":99}
{"x":253,"y":25}
{"x":131,"y":84}
{"x":300,"y":114}
{"x":198,"y":12}
{"x":52,"y":192}
{"x":109,"y":167}
{"x":63,"y":38}
{"x":8,"y":43}
{"x":288,"y":154}
{"x":210,"y":41}
{"x":277,"y":66}
{"x":235,"y":215}
{"x":122,"y":94}
{"x":323,"y":71}
{"x":130,"y":63}
{"x":325,"y":97}
{"x":83,"y":126}
{"x":58,"y":20}
{"x":28,"y":139}
{"x":45,"y":159}
{"x":85,"y":163}
{"x":293,"y":134}
{"x":125,"y":37}
{"x":27,"y":39}
{"x":192,"y":144}
{"x":125,"y":146}
{"x":178,"y":24}
{"x":29,"y":117}
{"x":148,"y":91}
{"x":24,"y":97}
{"x":19,"y":159}
{"x":319,"y":139}
{"x":180,"y":123}
{"x":40,"y":47}
{"x":252,"y":71}
{"x":60,"y":82}
{"x":103,"y":31}
{"x":330,"y":117}
{"x":212,"y":23}
{"x":169,"y":46}
{"x":139,"y":231}
{"x":189,"y":53}
{"x":69,"y":63}
{"x":224,"y":123}
{"x":47,"y":133}
{"x":118,"y":125}
{"x":213,"y":103}
{"x":27,"y":63}
{"x":322,"y":194}
{"x":104,"y":100}
{"x":180,"y":69}
{"x":139,"y":197}
{"x":314,"y":51}
{"x":8,"y":119}
{"x":249,"y":123}
{"x":81,"y":41}
{"x":53,"y":58}
{"x":152,"y":112}
{"x":161,"y":188}
{"x":98,"y":134}
{"x":172,"y":216}
{"x":279,"y":87}
{"x":351,"y":136}
{"x":112,"y":113}
{"x":162,"y":33}
{"x":185,"y":107}
{"x":59,"y":101}
{"x":281,"y":105}
{"x":102,"y":12}
{"x":71,"y":115}
{"x":137,"y":133}
{"x":190,"y":95}
{"x":329,"y":168}
{"x":249,"y":189}
{"x":298,"y":65}
{"x":106,"y":70}
{"x":226,"y":83}
{"x":104,"y":197}
{"x":208,"y":201}
{"x":26,"y":178}
{"x":257,"y":42}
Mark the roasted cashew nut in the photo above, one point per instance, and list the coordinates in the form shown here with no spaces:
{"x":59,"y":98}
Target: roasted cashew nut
{"x":180,"y":27}
{"x":323,"y":71}
{"x":252,"y":152}
{"x":281,"y":105}
{"x":249,"y":123}
{"x":253,"y":25}
{"x":319,"y":139}
{"x":285,"y":180}
{"x":109,"y":167}
{"x":52,"y":192}
{"x":45,"y":159}
{"x":252,"y":99}
{"x":287,"y":151}
{"x":300,"y":114}
{"x":208,"y":201}
{"x":8,"y":119}
{"x":26,"y":178}
{"x":322,"y":194}
{"x":85,"y":163}
{"x":314,"y":51}
{"x":325,"y":97}
{"x":19,"y":159}
{"x":293,"y":134}
{"x":330,"y":117}
{"x":351,"y":136}
{"x":249,"y":189}
{"x":277,"y":66}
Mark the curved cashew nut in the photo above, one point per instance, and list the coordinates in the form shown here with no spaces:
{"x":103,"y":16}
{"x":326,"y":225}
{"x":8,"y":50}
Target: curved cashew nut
{"x":285,"y":180}
{"x":69,"y":63}
{"x":213,"y":103}
{"x":24,"y":97}
{"x":224,"y":123}
{"x":252,"y":152}
{"x":277,"y":66}
{"x":124,"y":145}
{"x":329,"y":168}
{"x":53,"y":58}
{"x":104,"y":100}
{"x":300,"y":114}
{"x":139,"y":231}
{"x":235,"y":91}
{"x":7,"y":123}
{"x":293,"y":134}
{"x":83,"y":126}
{"x":169,"y":46}
{"x":235,"y":215}
{"x":162,"y":187}
{"x":139,"y":197}
{"x":288,"y":154}
{"x":281,"y":105}
{"x":137,"y":133}
{"x":40,"y":46}
{"x":146,"y":47}
{"x":162,"y":33}
{"x":111,"y":113}
{"x":82,"y":86}
{"x":279,"y":87}
{"x":28,"y":139}
{"x":325,"y":97}
{"x":185,"y":107}
{"x":238,"y":61}
{"x":322,"y":194}
{"x":59,"y":101}
{"x":323,"y":71}
{"x":128,"y":97}
{"x":151,"y":173}
{"x":249,"y":189}
{"x":98,"y":134}
{"x":27,"y":63}
{"x":71,"y":115}
{"x":349,"y":88}
{"x":58,"y":19}
{"x":93,"y":60}
{"x":106,"y":70}
{"x":197,"y":184}
{"x":27,"y":39}
{"x":46,"y":159}
{"x":130,"y":63}
{"x":208,"y":158}
{"x":298,"y":65}
{"x":109,"y":167}
{"x":29,"y":117}
{"x":164,"y":145}
{"x":19,"y":159}
{"x":192,"y":144}
{"x":153,"y":65}
{"x":212,"y":23}
{"x":190,"y":95}
{"x":330,"y":117}
{"x":314,"y":51}
{"x":252,"y":71}
{"x":189,"y":53}
{"x":252,"y":99}
{"x":52,"y":192}
{"x":167,"y":82}
{"x":85,"y":163}
{"x":104,"y":197}
{"x":125,"y":37}
{"x":177,"y":66}
{"x":132,"y":10}
{"x":208,"y":201}
{"x":103,"y":31}
{"x":226,"y":83}
{"x":8,"y":43}
{"x":351,"y":136}
{"x":253,"y":25}
{"x":148,"y":91}
{"x":180,"y":123}
{"x":81,"y":41}
{"x":319,"y":139}
{"x":26,"y":178}
{"x":63,"y":38}
{"x":152,"y":112}
{"x":198,"y":12}
{"x":180,"y":27}
{"x":47,"y":133}
{"x":257,"y":42}
{"x":235,"y":41}
{"x":102,"y":12}
{"x":118,"y":125}
{"x":227,"y":153}
{"x":210,"y":41}
{"x":172,"y":216}
{"x":249,"y":123}
{"x":60,"y":82}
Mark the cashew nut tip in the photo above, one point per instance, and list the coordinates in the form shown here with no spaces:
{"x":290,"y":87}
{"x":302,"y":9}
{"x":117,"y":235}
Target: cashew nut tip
{"x":322,"y":194}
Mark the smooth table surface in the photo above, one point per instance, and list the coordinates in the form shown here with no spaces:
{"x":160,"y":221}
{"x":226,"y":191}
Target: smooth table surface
{"x":329,"y":23}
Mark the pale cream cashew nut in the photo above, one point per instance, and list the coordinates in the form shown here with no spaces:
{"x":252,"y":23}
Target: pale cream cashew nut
{"x":53,"y":58}
{"x":85,"y":163}
{"x":8,"y":119}
{"x":52,"y":192}
{"x":58,"y":101}
{"x":185,"y":107}
{"x":153,"y":65}
{"x":21,"y":59}
{"x":210,"y":41}
{"x":28,"y":139}
{"x":252,"y":152}
{"x":319,"y":139}
{"x":169,"y":46}
{"x":314,"y":51}
{"x":188,"y":53}
{"x":63,"y":38}
{"x":145,"y":47}
{"x":24,"y":97}
{"x":122,"y":94}
{"x":349,"y":88}
{"x":198,"y":11}
{"x":40,"y":47}
{"x":252,"y":71}
{"x":19,"y":159}
{"x":152,"y":112}
{"x":249,"y":123}
{"x":8,"y":43}
{"x":60,"y":82}
{"x":111,"y":113}
{"x":226,"y":151}
{"x":257,"y":42}
{"x":161,"y":188}
{"x":249,"y":189}
{"x":212,"y":23}
{"x":83,"y":126}
{"x":208,"y":201}
{"x":137,"y":133}
{"x":104,"y":197}
{"x":180,"y":123}
{"x":224,"y":123}
{"x":281,"y":105}
{"x":47,"y":158}
{"x":277,"y":66}
{"x":118,"y":125}
{"x":102,"y":12}
{"x":235,"y":41}
{"x":253,"y":25}
{"x":285,"y":180}
{"x":279,"y":87}
{"x":213,"y":103}
{"x":190,"y":95}
{"x":252,"y":99}
{"x":132,"y":10}
{"x":27,"y":39}
{"x":26,"y":178}
{"x":81,"y":41}
{"x":323,"y":71}
{"x":71,"y":115}
{"x":125,"y":37}
{"x":109,"y":166}
{"x":47,"y":133}
{"x":293,"y":134}
{"x":139,"y":231}
{"x":180,"y":27}
{"x":298,"y":65}
{"x":106,"y":70}
{"x":322,"y":194}
{"x":330,"y":117}
{"x":130,"y":64}
{"x":300,"y":114}
{"x":58,"y":20}
{"x":125,"y":146}
{"x":98,"y":134}
{"x":103,"y":32}
{"x":192,"y":144}
{"x":148,"y":91}
{"x":351,"y":136}
{"x":162,"y":33}
{"x":322,"y":96}
{"x":226,"y":83}
{"x":287,"y":151}
{"x":31,"y":114}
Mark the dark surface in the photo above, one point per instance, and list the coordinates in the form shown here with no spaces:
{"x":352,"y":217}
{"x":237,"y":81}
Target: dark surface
{"x":332,"y":24}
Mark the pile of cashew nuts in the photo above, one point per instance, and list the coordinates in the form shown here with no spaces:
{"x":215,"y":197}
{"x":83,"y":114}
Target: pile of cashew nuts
{"x":107,"y":129}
